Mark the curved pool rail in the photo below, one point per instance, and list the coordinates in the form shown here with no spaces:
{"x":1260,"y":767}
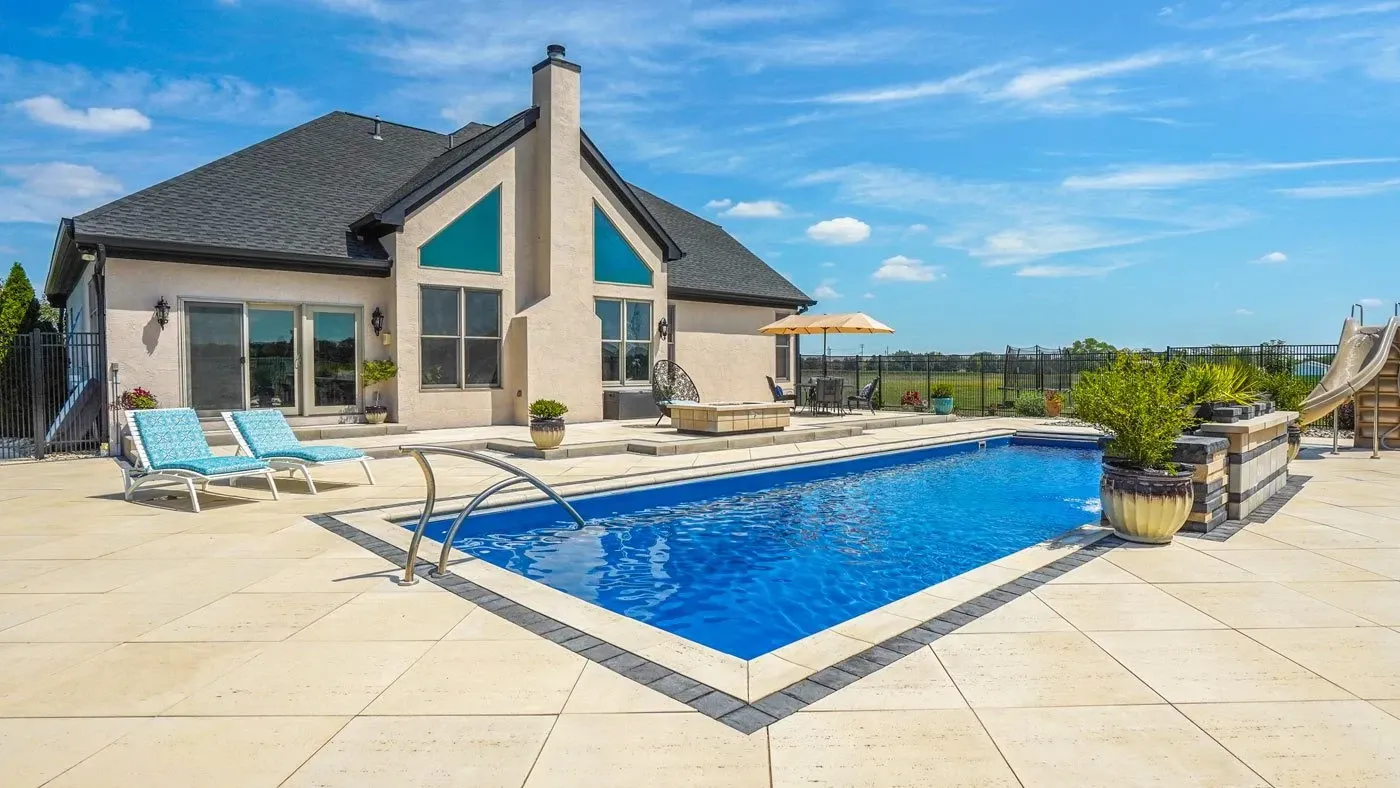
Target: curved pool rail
{"x":518,"y":476}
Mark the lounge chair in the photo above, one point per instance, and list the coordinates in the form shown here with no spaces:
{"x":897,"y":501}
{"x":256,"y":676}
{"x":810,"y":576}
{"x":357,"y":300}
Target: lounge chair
{"x":778,"y":394}
{"x":670,"y":384}
{"x":866,"y":396}
{"x":266,"y":435}
{"x":170,"y":447}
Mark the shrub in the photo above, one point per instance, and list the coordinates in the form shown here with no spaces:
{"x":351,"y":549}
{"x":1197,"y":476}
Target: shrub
{"x":547,"y":409}
{"x":378,"y":371}
{"x":1139,"y":403}
{"x":1053,"y":396}
{"x":1236,"y":383}
{"x":1346,"y":416}
{"x":941,"y":391}
{"x":1285,"y":390}
{"x":1030,"y":403}
{"x":139,"y":399}
{"x":911,"y":399}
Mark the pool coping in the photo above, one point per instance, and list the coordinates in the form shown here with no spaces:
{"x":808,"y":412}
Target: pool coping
{"x":747,"y":710}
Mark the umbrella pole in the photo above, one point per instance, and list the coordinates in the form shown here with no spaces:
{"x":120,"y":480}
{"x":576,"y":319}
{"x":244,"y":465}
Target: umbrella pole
{"x":824,"y":352}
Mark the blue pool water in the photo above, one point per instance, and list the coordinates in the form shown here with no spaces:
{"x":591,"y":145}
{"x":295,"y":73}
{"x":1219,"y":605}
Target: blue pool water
{"x":745,"y":564}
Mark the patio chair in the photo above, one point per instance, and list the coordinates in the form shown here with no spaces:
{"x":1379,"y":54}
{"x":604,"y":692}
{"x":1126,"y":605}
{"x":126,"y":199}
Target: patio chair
{"x":866,"y":396}
{"x":266,"y":435}
{"x":828,"y":395}
{"x":670,"y":384}
{"x":170,"y":447}
{"x":778,"y":394}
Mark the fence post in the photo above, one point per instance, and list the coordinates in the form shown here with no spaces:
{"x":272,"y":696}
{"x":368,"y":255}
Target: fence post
{"x":36,"y":391}
{"x":857,"y":372}
{"x":880,"y":376}
{"x":982,"y":389}
{"x":928,"y":374}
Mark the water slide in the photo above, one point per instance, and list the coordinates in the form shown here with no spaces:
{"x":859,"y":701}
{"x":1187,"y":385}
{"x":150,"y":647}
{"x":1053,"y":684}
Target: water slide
{"x":1361,"y":357}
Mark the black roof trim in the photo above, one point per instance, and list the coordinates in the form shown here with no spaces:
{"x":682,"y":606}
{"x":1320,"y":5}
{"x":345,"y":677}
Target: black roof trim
{"x":164,"y":251}
{"x":65,"y":264}
{"x":716,"y":297}
{"x":670,"y":250}
{"x":447,"y":169}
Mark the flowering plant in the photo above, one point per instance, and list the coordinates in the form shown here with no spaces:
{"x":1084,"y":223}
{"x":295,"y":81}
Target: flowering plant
{"x":912,"y":399}
{"x":138,"y":399}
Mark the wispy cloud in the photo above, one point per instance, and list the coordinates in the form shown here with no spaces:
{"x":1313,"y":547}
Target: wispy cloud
{"x":43,"y":192}
{"x":1272,"y":258}
{"x":826,"y":290}
{"x":1068,"y":271}
{"x":52,"y":111}
{"x":1319,"y":12}
{"x":970,"y":82}
{"x":758,"y":209}
{"x":1242,"y":312}
{"x":1039,"y":82}
{"x":1342,"y":190}
{"x":1171,"y":176}
{"x":907,"y":269}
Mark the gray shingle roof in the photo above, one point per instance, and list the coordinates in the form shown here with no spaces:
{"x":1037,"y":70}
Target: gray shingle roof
{"x":299,"y":192}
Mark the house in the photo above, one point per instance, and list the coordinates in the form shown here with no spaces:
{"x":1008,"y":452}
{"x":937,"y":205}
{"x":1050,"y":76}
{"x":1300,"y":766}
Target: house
{"x":495,"y":264}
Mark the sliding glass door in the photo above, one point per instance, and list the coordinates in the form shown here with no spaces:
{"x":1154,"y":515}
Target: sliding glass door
{"x":217,"y":354}
{"x":335,"y":359}
{"x":273,"y":358}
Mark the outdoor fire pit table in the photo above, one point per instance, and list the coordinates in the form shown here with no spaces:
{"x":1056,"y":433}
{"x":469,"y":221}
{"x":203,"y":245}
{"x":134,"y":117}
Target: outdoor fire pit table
{"x":727,"y":418}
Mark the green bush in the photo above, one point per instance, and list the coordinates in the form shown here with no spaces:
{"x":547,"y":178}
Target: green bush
{"x":941,"y":391}
{"x":1236,"y":383}
{"x":547,"y":409}
{"x":1285,"y":390}
{"x":378,"y":371}
{"x":1030,"y":403}
{"x":1139,"y":403}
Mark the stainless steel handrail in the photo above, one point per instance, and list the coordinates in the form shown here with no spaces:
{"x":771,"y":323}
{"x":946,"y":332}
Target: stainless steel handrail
{"x":518,"y":476}
{"x":1359,"y":308}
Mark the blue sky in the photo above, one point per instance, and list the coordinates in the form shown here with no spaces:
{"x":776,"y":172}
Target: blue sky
{"x":976,"y":173}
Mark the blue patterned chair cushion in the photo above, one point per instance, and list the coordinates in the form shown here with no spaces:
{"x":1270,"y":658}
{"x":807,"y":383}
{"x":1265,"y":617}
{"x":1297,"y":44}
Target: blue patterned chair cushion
{"x":170,"y":435}
{"x":316,"y":454}
{"x":265,"y":431}
{"x":214,"y":466}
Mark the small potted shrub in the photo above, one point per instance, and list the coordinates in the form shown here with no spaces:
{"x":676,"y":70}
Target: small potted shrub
{"x":941,"y":394}
{"x":373,"y":373}
{"x":1054,"y":403}
{"x":1138,"y":402}
{"x":1031,"y":404}
{"x":547,"y":423}
{"x":911,"y":401}
{"x":139,"y":399}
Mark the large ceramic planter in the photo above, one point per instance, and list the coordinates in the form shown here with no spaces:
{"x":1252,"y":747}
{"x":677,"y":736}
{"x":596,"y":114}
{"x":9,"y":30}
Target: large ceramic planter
{"x":376,"y":415}
{"x":1295,"y":440}
{"x":1053,"y":407}
{"x":943,"y":405}
{"x":1145,"y":506}
{"x":547,"y":433}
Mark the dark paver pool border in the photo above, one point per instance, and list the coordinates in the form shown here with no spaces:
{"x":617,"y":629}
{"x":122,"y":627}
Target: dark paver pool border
{"x":751,"y":717}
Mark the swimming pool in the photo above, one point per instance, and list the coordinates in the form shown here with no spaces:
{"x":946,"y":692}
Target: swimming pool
{"x":748,"y":563}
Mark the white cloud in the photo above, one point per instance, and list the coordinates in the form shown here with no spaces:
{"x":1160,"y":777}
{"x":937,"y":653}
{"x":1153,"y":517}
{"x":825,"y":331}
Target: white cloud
{"x":917,"y":229}
{"x":1316,"y":13}
{"x":1169,"y":176}
{"x":826,"y":290}
{"x":868,"y":295}
{"x":759,"y":209}
{"x":907,"y":269}
{"x":839,"y":231}
{"x":1244,"y":312}
{"x":1273,"y":258}
{"x":828,"y":265}
{"x":1342,"y":190}
{"x":54,"y":112}
{"x":1067,"y":271}
{"x":1039,"y":82}
{"x":715,"y":205}
{"x":972,"y":81}
{"x":47,"y":191}
{"x":1370,"y":303}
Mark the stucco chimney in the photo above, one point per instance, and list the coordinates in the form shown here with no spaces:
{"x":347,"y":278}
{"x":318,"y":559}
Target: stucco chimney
{"x":561,"y":215}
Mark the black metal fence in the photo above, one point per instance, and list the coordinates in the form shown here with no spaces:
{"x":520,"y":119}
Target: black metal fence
{"x":989,"y":383}
{"x":51,"y":395}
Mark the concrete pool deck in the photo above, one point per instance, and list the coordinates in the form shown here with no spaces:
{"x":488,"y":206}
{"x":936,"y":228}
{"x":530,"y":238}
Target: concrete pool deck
{"x":145,"y":645}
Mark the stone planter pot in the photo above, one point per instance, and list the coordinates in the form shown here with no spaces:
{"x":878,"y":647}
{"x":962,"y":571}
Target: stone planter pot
{"x":547,"y":433}
{"x":1145,"y":506}
{"x":376,"y":414}
{"x":942,"y":405}
{"x":1295,"y":440}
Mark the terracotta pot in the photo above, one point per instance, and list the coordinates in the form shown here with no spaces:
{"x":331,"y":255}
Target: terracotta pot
{"x":1295,"y":440}
{"x":375,"y":415}
{"x":1053,"y":407}
{"x":547,"y":433}
{"x":1146,"y":506}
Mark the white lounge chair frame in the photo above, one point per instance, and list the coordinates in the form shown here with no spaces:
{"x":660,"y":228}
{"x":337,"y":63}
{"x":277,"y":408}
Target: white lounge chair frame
{"x":134,"y":478}
{"x":291,"y":464}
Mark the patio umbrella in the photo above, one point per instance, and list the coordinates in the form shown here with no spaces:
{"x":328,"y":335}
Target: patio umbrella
{"x":848,"y":323}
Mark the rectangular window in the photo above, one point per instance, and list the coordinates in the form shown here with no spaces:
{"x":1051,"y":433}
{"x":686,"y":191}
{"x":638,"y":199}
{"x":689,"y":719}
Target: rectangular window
{"x":461,"y":337}
{"x":626,"y":340}
{"x":782,"y":367}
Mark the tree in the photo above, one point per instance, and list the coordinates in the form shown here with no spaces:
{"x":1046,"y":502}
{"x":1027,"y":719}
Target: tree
{"x":19,"y":309}
{"x":1091,"y":345}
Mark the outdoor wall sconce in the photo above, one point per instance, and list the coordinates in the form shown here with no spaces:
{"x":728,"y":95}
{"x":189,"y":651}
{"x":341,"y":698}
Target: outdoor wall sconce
{"x":663,"y":329}
{"x":376,"y":321}
{"x":162,"y":312}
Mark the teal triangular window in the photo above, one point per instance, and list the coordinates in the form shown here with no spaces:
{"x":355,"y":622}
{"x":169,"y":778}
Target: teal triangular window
{"x":472,"y":242}
{"x":614,"y":260}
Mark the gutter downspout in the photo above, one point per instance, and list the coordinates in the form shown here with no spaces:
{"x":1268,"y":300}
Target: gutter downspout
{"x":109,"y":392}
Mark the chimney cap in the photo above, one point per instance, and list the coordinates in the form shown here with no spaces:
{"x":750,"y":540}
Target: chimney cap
{"x":555,"y":51}
{"x":554,"y":56}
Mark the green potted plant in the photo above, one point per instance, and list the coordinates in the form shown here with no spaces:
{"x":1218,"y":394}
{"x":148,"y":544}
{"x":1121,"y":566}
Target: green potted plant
{"x":1054,"y":403}
{"x":547,"y":423}
{"x":139,"y":399}
{"x":1288,"y":393}
{"x":1137,"y":401}
{"x":373,"y":373}
{"x":942,"y":396}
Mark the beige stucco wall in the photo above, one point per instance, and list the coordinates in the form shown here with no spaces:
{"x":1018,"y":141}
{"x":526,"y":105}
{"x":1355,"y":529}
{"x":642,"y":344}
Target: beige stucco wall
{"x":154,"y":358}
{"x":720,"y":347}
